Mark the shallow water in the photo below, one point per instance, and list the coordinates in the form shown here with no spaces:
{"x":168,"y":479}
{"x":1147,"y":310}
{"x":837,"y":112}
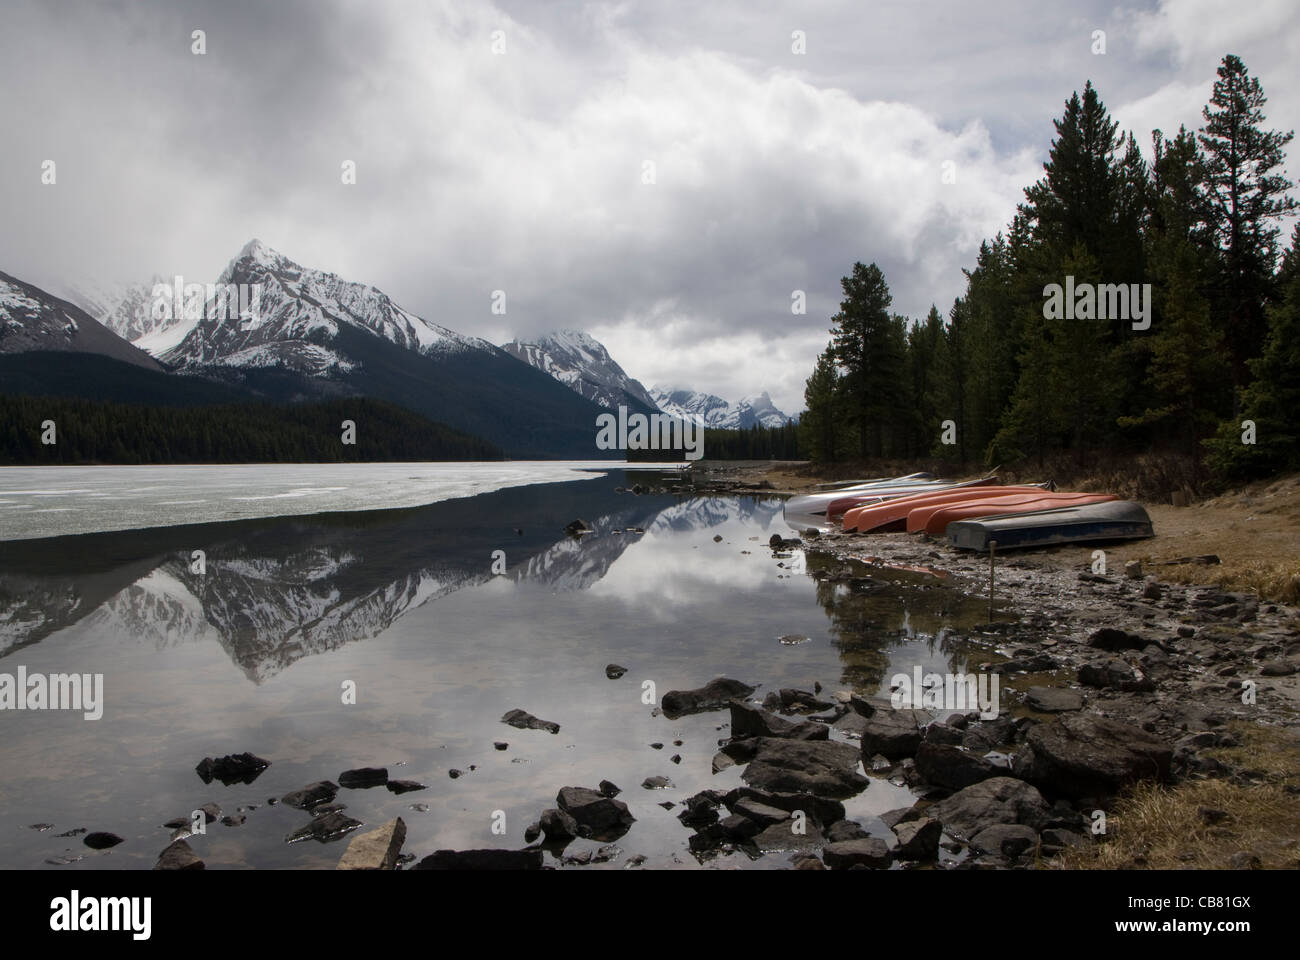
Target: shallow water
{"x":252,"y":655}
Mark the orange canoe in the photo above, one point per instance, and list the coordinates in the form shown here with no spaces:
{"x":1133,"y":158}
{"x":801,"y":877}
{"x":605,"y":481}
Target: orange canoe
{"x":934,"y":520}
{"x":836,"y":509}
{"x":892,"y":514}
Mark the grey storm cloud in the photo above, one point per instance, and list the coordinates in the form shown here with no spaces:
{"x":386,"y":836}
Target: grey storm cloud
{"x":524,"y":170}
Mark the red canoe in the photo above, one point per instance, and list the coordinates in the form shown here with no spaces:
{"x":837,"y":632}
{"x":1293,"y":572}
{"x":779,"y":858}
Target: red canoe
{"x":892,"y":514}
{"x":934,"y":520}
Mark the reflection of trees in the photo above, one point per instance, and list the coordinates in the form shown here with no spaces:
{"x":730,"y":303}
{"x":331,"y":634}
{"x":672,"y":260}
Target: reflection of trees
{"x":873,"y":609}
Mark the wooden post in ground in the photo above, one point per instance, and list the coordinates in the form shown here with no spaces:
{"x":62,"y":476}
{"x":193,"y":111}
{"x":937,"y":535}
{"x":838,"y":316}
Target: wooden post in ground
{"x":993,"y":547}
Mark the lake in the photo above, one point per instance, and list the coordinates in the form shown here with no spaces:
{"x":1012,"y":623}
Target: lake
{"x":407,"y":607}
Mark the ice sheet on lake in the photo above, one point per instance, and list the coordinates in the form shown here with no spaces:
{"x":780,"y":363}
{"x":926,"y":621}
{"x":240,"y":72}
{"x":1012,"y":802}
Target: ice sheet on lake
{"x":76,"y":500}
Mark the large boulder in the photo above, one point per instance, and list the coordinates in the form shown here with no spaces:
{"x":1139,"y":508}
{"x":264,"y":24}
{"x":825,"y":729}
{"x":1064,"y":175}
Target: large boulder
{"x":1084,"y":755}
{"x":953,"y":768}
{"x":893,"y":733}
{"x":598,"y":816}
{"x":822,"y":767}
{"x":714,"y":695}
{"x":991,"y":802}
{"x":748,"y":720}
{"x":918,"y":839}
{"x":1005,"y":839}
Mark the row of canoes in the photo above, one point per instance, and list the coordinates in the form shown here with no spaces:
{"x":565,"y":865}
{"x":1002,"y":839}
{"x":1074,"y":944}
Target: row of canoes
{"x":973,"y":513}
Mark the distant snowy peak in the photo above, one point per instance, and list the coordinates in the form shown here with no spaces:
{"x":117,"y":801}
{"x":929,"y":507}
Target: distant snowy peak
{"x":289,"y":315}
{"x":581,"y":363}
{"x":712,"y":411}
{"x":129,"y":310}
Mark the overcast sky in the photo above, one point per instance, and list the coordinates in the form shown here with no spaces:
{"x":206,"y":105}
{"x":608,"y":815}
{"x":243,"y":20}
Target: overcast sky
{"x":523,"y":170}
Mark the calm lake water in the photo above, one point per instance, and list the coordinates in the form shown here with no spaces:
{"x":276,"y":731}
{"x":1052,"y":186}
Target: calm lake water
{"x":253,"y":654}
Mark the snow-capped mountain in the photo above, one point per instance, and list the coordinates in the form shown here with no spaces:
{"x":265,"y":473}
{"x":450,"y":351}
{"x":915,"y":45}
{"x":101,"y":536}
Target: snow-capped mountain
{"x":713,"y":411}
{"x":581,"y":363}
{"x":32,"y":319}
{"x":294,"y":315}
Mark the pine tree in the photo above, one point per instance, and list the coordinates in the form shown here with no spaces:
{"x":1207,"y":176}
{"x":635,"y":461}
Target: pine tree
{"x":866,"y":346}
{"x":819,"y":425}
{"x":1246,"y":194}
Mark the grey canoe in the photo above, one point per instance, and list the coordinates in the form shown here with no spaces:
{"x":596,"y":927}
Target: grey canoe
{"x":1112,"y":520}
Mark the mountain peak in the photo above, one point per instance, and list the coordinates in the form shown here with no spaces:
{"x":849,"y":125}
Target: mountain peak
{"x":580,"y":362}
{"x":256,"y":250}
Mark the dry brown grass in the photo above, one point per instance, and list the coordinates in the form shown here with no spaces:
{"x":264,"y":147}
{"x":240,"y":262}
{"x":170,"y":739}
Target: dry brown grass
{"x":1162,"y":828}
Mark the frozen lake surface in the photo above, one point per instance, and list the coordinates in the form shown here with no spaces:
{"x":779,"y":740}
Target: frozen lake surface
{"x":58,"y":501}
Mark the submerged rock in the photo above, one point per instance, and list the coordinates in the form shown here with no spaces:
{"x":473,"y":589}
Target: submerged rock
{"x":324,"y":829}
{"x":231,"y":769}
{"x":526,"y":721}
{"x":178,"y":856}
{"x":101,"y":840}
{"x":714,"y":695}
{"x":312,"y":795}
{"x":363,"y":777}
{"x":530,"y":859}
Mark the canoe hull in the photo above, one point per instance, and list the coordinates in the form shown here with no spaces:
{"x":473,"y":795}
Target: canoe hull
{"x":1098,"y":522}
{"x":892,"y":514}
{"x":934,"y":520}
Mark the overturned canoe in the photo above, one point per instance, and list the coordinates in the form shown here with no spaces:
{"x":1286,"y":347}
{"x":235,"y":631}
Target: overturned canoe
{"x":1111,"y":520}
{"x":836,"y":509}
{"x":934,"y":520}
{"x":892,"y":514}
{"x":816,"y":503}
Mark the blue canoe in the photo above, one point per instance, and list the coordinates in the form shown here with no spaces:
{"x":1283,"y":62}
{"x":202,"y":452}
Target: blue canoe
{"x":1113,"y":520}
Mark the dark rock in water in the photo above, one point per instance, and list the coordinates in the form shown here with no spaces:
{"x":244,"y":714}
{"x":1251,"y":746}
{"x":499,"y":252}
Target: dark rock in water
{"x":363,"y":777}
{"x":558,"y":826}
{"x":993,"y":801}
{"x":101,"y":841}
{"x":405,"y":786}
{"x":455,"y":774}
{"x":845,"y":830}
{"x":532,"y":831}
{"x":822,"y":809}
{"x":1005,"y":839}
{"x":1084,"y":755}
{"x":178,"y":856}
{"x":608,"y":789}
{"x":607,"y":819}
{"x":851,"y":723}
{"x":40,"y":827}
{"x":717,"y":538}
{"x":656,"y":783}
{"x":777,"y":542}
{"x":576,"y":528}
{"x":895,"y":734}
{"x":614,"y":671}
{"x":74,"y":832}
{"x":1053,"y":699}
{"x":821,"y":767}
{"x":803,"y":701}
{"x":312,"y":795}
{"x":918,"y":839}
{"x":501,"y":745}
{"x":1037,"y":663}
{"x":377,"y":849}
{"x":748,"y":720}
{"x":868,"y":851}
{"x":235,"y":768}
{"x":234,"y":819}
{"x":211,"y":812}
{"x":736,"y":827}
{"x":526,"y":721}
{"x":1115,"y":674}
{"x":714,"y":695}
{"x":782,"y":836}
{"x":1115,"y":641}
{"x":943,"y":733}
{"x":701,"y":810}
{"x":324,"y":829}
{"x":761,"y":813}
{"x":482,"y":860}
{"x":951,"y":767}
